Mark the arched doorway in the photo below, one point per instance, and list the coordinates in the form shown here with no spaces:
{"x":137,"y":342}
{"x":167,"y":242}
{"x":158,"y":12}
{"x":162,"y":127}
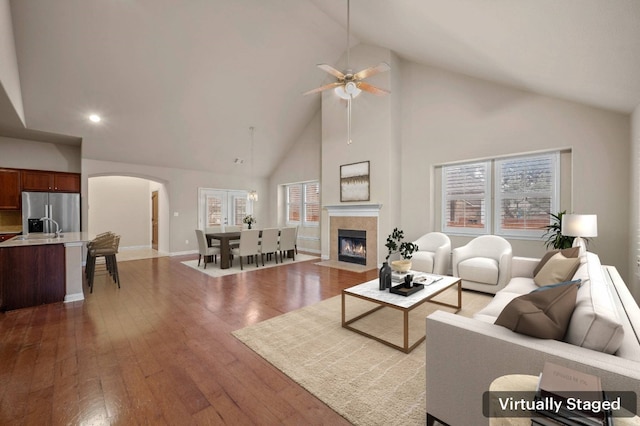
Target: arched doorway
{"x":134,"y":207}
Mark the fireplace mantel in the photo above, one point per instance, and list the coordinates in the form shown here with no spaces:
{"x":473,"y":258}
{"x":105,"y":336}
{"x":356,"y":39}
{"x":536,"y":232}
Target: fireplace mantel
{"x":369,"y":209}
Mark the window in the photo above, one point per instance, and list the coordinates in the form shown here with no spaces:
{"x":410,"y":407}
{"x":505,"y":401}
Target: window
{"x":467,"y":192}
{"x":303,"y":203}
{"x":222,"y":207}
{"x":524,"y":191}
{"x":312,"y":203}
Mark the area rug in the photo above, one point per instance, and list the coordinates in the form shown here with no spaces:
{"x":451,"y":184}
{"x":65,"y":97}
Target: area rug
{"x":213,"y":269}
{"x":366,"y":382}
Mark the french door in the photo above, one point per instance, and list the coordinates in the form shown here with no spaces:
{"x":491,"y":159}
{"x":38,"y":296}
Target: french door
{"x":218,"y":207}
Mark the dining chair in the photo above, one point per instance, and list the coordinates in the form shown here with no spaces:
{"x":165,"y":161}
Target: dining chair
{"x":287,"y":242}
{"x":249,"y":239}
{"x":204,"y":250}
{"x":269,"y":243}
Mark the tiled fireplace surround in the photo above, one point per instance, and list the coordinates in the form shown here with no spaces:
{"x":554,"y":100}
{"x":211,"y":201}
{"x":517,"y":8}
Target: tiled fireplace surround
{"x":356,"y":217}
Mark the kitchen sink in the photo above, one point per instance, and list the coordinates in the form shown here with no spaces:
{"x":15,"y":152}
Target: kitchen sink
{"x":36,"y":236}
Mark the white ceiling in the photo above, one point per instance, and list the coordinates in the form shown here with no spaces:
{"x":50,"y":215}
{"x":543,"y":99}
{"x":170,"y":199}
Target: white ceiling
{"x":179,"y":82}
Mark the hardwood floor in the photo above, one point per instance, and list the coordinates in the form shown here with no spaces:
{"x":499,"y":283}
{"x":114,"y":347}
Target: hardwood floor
{"x":160,"y":350}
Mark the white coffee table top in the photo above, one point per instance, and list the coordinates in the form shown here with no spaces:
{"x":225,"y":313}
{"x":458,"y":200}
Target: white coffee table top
{"x":370,"y":289}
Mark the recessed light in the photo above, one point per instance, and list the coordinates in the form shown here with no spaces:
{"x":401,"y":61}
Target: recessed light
{"x":95,"y":118}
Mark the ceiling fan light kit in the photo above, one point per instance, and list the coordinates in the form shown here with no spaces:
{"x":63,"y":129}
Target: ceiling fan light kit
{"x":350,"y":85}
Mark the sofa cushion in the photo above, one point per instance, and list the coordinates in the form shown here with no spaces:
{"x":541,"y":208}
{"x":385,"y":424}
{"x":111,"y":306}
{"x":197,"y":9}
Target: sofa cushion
{"x":479,"y":269}
{"x":570,"y":252}
{"x":595,"y":323}
{"x":557,"y":269}
{"x":544,"y":314}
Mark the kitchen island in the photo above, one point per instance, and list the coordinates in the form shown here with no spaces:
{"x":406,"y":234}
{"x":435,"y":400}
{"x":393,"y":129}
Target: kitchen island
{"x":41,"y":268}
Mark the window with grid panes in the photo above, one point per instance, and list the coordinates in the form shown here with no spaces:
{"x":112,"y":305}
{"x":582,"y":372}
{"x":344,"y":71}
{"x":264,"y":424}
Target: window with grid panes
{"x":294,"y":203}
{"x":312,"y":203}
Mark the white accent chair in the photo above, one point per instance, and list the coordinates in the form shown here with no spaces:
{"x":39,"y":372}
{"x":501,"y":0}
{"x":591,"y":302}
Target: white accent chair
{"x":484,"y":264}
{"x":204,"y":250}
{"x":433,"y":255}
{"x":248,"y":245}
{"x":269,"y":243}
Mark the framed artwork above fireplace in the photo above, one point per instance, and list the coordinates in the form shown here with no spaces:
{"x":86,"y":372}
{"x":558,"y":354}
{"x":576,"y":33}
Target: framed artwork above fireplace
{"x":354,"y":182}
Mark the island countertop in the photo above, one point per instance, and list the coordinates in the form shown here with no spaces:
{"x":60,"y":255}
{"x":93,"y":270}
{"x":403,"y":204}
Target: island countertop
{"x":35,"y":239}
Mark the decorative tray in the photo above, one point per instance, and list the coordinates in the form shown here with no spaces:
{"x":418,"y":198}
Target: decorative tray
{"x":403,"y":291}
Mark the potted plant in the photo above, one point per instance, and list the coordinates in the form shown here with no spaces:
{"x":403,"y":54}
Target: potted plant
{"x":249,"y":220}
{"x":553,"y":234}
{"x":395,"y":244}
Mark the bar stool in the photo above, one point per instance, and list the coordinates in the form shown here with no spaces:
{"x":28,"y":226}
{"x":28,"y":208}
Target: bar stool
{"x":107,"y":248}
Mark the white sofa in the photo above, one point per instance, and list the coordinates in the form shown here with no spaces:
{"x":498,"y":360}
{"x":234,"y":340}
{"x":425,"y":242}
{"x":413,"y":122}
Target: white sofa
{"x":464,"y":355}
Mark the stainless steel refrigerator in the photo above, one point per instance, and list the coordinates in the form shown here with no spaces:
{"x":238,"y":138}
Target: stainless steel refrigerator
{"x":64,"y":208}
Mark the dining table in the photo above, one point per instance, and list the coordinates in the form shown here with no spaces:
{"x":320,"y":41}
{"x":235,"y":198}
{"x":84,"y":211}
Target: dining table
{"x":225,"y":239}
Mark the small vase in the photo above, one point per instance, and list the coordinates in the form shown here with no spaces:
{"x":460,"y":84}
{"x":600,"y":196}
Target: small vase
{"x":385,"y":276}
{"x":249,"y":225}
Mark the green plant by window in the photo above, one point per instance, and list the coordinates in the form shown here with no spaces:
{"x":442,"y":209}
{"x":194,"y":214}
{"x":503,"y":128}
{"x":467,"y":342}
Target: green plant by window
{"x":553,"y":236}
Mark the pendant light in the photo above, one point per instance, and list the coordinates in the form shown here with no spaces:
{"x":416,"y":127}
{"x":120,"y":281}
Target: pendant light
{"x":252,"y":195}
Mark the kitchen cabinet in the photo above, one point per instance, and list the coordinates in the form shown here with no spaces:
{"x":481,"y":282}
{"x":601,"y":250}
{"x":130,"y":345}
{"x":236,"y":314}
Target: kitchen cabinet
{"x":9,"y":189}
{"x":31,"y":275}
{"x":37,"y":180}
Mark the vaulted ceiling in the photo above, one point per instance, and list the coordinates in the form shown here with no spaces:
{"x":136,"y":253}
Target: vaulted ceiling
{"x":179,"y":83}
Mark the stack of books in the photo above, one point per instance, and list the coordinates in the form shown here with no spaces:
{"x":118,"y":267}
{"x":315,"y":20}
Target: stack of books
{"x":569,"y":397}
{"x":418,"y":277}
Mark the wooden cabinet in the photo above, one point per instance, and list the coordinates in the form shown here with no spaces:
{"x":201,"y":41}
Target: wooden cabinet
{"x":9,"y":189}
{"x":36,"y":180}
{"x":31,"y":275}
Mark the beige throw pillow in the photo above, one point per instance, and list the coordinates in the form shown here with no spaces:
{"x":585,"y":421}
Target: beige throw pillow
{"x":557,"y":269}
{"x":544,"y":314}
{"x":570,"y":252}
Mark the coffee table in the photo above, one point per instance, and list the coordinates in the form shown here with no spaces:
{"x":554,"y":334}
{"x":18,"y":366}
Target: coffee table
{"x":383,"y":298}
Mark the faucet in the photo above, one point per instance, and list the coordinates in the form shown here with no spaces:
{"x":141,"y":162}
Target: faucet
{"x":58,"y":230}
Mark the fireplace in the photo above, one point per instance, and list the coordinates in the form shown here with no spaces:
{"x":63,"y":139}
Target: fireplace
{"x":352,"y":246}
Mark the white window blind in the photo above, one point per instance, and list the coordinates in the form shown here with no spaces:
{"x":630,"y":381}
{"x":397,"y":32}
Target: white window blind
{"x":467,"y":195}
{"x":312,"y":203}
{"x":294,"y":203}
{"x":526,"y":191}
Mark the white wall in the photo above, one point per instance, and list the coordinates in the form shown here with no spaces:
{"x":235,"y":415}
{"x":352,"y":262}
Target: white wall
{"x":122,"y":205}
{"x":301,"y":164}
{"x":375,"y":136}
{"x":27,"y":154}
{"x":450,"y":117}
{"x":182,"y":195}
{"x":9,"y":76}
{"x":634,"y":204}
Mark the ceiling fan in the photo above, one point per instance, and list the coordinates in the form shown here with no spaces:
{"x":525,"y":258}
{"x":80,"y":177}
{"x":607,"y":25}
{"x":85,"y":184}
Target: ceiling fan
{"x":350,"y":84}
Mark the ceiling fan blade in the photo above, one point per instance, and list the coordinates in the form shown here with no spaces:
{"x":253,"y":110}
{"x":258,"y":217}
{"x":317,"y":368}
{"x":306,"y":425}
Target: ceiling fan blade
{"x":381,"y":67}
{"x":322,"y":88}
{"x":331,"y":70}
{"x":372,"y":89}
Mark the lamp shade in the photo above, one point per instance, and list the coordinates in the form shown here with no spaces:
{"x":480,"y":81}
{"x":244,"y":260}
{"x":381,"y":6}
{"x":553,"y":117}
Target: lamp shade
{"x":580,"y":225}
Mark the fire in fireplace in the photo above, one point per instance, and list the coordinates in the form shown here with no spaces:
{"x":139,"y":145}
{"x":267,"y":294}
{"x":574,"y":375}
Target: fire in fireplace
{"x":352,"y":246}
